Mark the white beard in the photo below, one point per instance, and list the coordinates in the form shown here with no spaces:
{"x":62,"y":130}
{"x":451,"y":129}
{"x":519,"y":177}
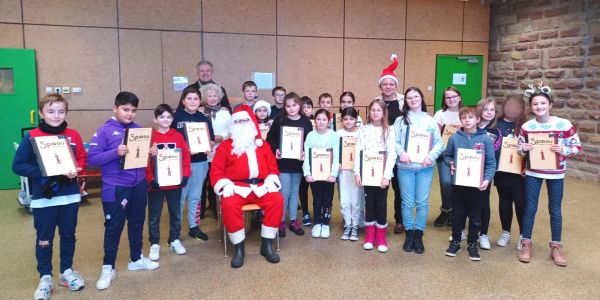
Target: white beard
{"x":243,"y":136}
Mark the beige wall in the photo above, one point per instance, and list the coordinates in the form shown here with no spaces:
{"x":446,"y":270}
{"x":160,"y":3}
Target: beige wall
{"x":313,"y":46}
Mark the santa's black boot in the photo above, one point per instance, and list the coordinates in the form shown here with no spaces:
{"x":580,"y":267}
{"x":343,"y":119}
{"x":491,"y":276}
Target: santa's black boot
{"x":266,"y":250}
{"x":238,"y":258}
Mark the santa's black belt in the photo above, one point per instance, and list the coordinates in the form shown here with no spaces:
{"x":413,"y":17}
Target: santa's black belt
{"x":253,"y":181}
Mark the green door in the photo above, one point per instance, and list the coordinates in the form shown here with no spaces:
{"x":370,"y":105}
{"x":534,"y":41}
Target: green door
{"x":464,"y":72}
{"x":18,"y":95}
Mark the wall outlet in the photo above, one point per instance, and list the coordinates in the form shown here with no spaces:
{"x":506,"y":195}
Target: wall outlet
{"x":66,"y":90}
{"x":76,"y":90}
{"x":58,"y":90}
{"x":49,"y":90}
{"x":429,"y":88}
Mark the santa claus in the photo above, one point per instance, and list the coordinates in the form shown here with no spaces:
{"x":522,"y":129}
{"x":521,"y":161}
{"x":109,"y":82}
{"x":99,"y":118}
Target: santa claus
{"x":244,"y":171}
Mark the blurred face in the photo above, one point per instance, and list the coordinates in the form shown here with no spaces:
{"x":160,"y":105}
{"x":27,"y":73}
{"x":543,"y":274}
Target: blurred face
{"x":346,"y":102}
{"x":212,"y":97}
{"x":125,"y":114}
{"x":205,"y":73}
{"x":321,"y":121}
{"x":452,"y":99}
{"x":191,"y":102}
{"x":388,"y":87}
{"x":261,"y":113}
{"x":376,"y":113}
{"x":250,"y":93}
{"x":164,"y":120}
{"x":307,"y":110}
{"x":292,"y":108}
{"x":512,"y":110}
{"x":540,"y":106}
{"x":489,"y":112}
{"x":349,"y":122}
{"x":469,"y":121}
{"x":325,"y":103}
{"x":413,"y":100}
{"x":278,"y":97}
{"x":54,"y":113}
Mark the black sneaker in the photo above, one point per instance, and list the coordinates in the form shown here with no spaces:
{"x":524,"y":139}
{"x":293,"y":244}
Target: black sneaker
{"x":441,"y":219}
{"x":473,"y":252}
{"x":450,"y":219}
{"x":197,"y":234}
{"x":453,"y":249}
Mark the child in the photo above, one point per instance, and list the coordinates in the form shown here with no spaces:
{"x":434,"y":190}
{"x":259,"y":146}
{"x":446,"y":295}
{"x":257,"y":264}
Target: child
{"x":249,"y":89}
{"x":278,"y":93}
{"x":347,"y":99}
{"x":290,"y":169}
{"x":307,"y":111}
{"x":415,"y":178}
{"x":164,"y":137}
{"x":447,"y":116}
{"x":567,"y":145}
{"x":351,"y":195}
{"x":467,"y":201}
{"x":221,"y":120}
{"x":325,"y":102}
{"x":55,"y":199}
{"x":376,"y":135}
{"x":124,"y":192}
{"x":322,"y":191}
{"x":262,"y":111}
{"x":510,"y":187}
{"x":190,"y":100}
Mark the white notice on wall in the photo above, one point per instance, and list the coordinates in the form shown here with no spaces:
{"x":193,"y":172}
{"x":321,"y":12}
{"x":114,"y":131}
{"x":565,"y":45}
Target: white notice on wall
{"x":263,"y":80}
{"x":180,"y":83}
{"x":459,"y":79}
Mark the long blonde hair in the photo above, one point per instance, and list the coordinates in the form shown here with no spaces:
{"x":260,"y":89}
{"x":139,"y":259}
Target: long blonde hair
{"x":481,"y":106}
{"x":384,"y":120}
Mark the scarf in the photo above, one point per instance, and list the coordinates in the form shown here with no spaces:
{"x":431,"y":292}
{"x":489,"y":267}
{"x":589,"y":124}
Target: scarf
{"x":51,"y":129}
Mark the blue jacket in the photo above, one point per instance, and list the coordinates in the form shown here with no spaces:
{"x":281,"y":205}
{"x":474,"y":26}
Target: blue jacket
{"x":478,"y":140}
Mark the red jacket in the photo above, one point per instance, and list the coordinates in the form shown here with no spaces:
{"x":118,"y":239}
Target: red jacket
{"x":171,"y":136}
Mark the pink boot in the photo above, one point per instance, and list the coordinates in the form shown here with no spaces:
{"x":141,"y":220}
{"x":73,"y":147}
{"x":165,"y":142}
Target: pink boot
{"x":369,"y":237}
{"x":380,"y":237}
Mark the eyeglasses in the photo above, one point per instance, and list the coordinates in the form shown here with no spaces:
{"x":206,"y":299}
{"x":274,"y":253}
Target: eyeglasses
{"x":453,"y":97}
{"x":166,"y":145}
{"x":241,"y":121}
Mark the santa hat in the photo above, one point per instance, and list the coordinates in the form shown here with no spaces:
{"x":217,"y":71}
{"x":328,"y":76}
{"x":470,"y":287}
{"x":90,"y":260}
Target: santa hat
{"x":389,"y":71}
{"x":244,"y":112}
{"x":262,"y":103}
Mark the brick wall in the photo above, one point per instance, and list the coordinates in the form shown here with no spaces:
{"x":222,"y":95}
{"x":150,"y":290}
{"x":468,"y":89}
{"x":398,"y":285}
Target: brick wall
{"x":558,"y":42}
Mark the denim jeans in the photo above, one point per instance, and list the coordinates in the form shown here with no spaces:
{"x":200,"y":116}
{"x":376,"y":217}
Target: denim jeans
{"x":192,"y":191}
{"x":555,"y":188}
{"x":415,"y":186}
{"x":290,"y":185}
{"x":445,"y":184}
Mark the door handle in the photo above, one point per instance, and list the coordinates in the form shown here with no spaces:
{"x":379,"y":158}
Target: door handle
{"x":32,"y":116}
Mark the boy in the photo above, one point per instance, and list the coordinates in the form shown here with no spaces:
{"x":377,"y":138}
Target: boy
{"x":124,"y":192}
{"x":467,"y":201}
{"x":278,"y":93}
{"x":249,"y":90}
{"x":55,"y":199}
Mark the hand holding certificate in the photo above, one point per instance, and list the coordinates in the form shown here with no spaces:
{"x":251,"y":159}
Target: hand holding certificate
{"x":372,"y":166}
{"x":510,"y":161}
{"x":137,"y":141}
{"x":264,"y":130}
{"x":198,"y":137}
{"x":168,"y":168}
{"x":291,"y":142}
{"x":541,"y":156}
{"x":320,"y":163}
{"x":469,"y":167}
{"x":54,"y":155}
{"x":418,"y":144}
{"x":347,"y":152}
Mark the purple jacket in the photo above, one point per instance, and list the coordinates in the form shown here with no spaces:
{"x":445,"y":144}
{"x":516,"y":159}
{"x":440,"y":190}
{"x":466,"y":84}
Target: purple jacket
{"x":103,"y":153}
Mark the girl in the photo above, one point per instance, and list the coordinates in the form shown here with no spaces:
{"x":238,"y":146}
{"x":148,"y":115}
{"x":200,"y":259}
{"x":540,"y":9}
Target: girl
{"x":567,"y":145}
{"x":447,"y":116}
{"x":376,"y":135}
{"x":165,"y":137}
{"x":415,"y":178}
{"x":510,"y":186}
{"x":347,"y":99}
{"x":307,"y":111}
{"x":290,"y":169}
{"x":190,"y":102}
{"x":351,"y":195}
{"x":55,"y":199}
{"x":221,"y":120}
{"x":322,"y":191}
{"x":262,"y":111}
{"x":486,"y":110}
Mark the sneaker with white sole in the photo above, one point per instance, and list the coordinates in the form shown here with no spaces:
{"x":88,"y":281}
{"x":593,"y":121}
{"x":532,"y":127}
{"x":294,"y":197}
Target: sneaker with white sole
{"x":484,"y":242}
{"x":504,"y":239}
{"x":463,"y":236}
{"x":142,"y":264}
{"x":154,"y":252}
{"x":519,"y":243}
{"x":72,"y":280}
{"x":177,"y":247}
{"x":106,"y":276}
{"x":354,"y":234}
{"x":325,"y":231}
{"x":44,"y":289}
{"x":316,"y":231}
{"x":347,"y":232}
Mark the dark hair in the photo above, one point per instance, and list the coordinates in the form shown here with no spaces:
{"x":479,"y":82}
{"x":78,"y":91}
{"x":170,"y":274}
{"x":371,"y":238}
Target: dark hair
{"x":350,"y":111}
{"x":406,"y":109}
{"x":124,"y":98}
{"x":522,"y":118}
{"x":277,"y":88}
{"x":248,"y":83}
{"x":306,"y":100}
{"x":185,"y":92}
{"x":161,"y":108}
{"x":349,"y":94}
{"x":322,"y":111}
{"x":325,"y":95}
{"x":545,"y":95}
{"x":453,"y":89}
{"x":290,"y":96}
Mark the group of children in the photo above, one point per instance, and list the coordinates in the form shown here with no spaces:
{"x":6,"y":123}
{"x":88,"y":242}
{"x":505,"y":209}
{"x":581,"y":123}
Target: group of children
{"x":126,"y":193}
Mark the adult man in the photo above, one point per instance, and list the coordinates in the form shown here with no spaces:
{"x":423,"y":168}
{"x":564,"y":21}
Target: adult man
{"x":204,"y":70}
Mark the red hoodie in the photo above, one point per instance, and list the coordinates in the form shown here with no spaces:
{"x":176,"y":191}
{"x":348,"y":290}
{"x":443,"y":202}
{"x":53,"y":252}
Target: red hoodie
{"x":171,"y":136}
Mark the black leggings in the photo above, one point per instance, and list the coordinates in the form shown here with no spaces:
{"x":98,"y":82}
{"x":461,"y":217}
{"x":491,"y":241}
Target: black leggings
{"x":303,"y":195}
{"x":508,"y":196}
{"x":376,"y":204}
{"x":485,"y":211}
{"x":322,"y":192}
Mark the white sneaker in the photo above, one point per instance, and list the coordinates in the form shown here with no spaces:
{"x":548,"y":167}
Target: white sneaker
{"x":325,"y":231}
{"x":44,"y":289}
{"x":354,"y":234}
{"x":177,"y":247}
{"x":368,"y":246}
{"x":504,"y":239}
{"x":347,"y":232}
{"x":107,"y":275}
{"x":316,"y":231}
{"x":142,"y":264}
{"x":484,"y":242}
{"x":382,"y":248}
{"x":154,"y":252}
{"x":463,"y":236}
{"x":519,"y":243}
{"x":72,"y":280}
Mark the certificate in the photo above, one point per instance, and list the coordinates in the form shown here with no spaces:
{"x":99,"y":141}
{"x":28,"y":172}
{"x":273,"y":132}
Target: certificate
{"x":541,"y":157}
{"x":291,"y":142}
{"x":447,"y":131}
{"x":54,"y":155}
{"x":320,"y":160}
{"x":167,"y":167}
{"x":137,"y":141}
{"x":198,"y":136}
{"x":418,"y":143}
{"x":264,"y":130}
{"x":372,"y":166}
{"x":469,"y":167}
{"x":510,"y":161}
{"x":337,"y":122}
{"x":347,"y":152}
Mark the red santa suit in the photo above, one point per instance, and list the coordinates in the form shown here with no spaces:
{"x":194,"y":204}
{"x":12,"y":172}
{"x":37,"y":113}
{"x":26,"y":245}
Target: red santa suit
{"x":250,"y":178}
